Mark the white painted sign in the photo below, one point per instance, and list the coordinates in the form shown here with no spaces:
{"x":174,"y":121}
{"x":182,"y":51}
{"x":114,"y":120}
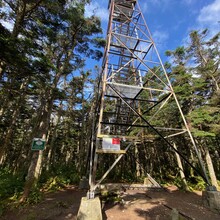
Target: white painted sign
{"x":111,"y":144}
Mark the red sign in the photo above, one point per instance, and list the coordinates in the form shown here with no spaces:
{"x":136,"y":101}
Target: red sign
{"x":115,"y":140}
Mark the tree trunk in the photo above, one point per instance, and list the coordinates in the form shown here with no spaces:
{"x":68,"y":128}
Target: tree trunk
{"x":30,"y":179}
{"x":36,"y":162}
{"x":2,"y":67}
{"x":180,"y":166}
{"x":52,"y":145}
{"x":10,"y":130}
{"x":37,"y":171}
{"x":192,"y":160}
{"x":211,"y":168}
{"x":8,"y":136}
{"x":138,"y":170}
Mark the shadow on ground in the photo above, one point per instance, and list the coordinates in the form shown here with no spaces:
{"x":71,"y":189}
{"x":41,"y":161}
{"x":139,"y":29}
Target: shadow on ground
{"x":151,"y":205}
{"x":132,"y":205}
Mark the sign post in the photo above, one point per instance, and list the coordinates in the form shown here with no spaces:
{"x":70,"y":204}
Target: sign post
{"x":38,"y":144}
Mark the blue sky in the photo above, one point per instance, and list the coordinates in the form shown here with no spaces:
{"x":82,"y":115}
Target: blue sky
{"x":170,"y":21}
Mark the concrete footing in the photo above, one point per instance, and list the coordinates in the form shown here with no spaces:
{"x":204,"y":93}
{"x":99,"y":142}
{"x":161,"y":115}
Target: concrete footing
{"x":175,"y":215}
{"x":211,"y":200}
{"x":90,"y":209}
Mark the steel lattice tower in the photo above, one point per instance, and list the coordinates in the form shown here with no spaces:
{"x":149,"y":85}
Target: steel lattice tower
{"x":135,"y":89}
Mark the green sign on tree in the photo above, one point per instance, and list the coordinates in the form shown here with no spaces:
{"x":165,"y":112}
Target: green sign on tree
{"x":38,"y":144}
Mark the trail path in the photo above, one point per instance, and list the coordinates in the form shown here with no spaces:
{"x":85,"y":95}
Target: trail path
{"x":135,"y":205}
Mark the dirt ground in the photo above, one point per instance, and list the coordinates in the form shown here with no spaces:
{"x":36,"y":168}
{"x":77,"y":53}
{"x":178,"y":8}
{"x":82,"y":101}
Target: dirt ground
{"x":134,"y":205}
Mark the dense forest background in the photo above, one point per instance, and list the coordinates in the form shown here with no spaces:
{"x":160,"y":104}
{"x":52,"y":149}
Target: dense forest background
{"x":46,"y":93}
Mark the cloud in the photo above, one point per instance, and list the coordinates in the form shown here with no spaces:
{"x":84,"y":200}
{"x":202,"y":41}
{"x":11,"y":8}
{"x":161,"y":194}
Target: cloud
{"x":144,"y":7}
{"x":158,"y":2}
{"x":94,"y":8}
{"x":210,"y":13}
{"x":189,"y":2}
{"x":160,"y":37}
{"x":162,"y":4}
{"x":209,"y":16}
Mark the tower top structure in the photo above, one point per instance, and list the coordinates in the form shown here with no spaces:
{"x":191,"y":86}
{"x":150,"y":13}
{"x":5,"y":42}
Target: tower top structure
{"x":123,"y":2}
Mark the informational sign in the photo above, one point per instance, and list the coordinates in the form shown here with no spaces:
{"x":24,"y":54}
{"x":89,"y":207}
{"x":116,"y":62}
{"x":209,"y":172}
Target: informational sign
{"x":38,"y":144}
{"x":111,"y":144}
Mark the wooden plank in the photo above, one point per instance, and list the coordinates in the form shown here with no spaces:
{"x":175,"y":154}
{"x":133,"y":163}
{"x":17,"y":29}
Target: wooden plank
{"x":118,"y":136}
{"x":101,"y":151}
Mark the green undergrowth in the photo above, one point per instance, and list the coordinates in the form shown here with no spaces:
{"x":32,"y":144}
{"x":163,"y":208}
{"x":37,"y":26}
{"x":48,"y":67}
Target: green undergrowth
{"x":12,"y":185}
{"x":193,"y":183}
{"x":197,"y":183}
{"x":110,"y":197}
{"x":59,"y":177}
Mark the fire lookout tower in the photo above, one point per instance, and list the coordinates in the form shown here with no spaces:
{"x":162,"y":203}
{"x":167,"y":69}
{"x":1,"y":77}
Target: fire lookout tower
{"x":134,"y":90}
